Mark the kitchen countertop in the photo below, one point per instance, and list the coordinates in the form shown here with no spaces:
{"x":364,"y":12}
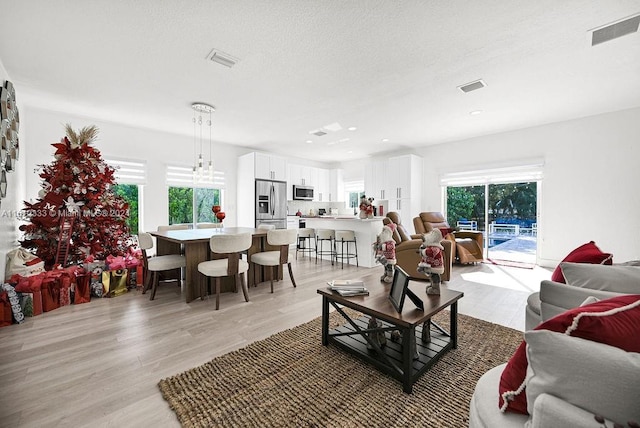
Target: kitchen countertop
{"x":341,"y":217}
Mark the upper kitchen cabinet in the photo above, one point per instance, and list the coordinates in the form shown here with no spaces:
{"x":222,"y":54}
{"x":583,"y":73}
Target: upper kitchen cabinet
{"x":375,"y":180}
{"x":254,"y":166}
{"x":397,"y":180}
{"x":322,"y":190}
{"x":300,"y":175}
{"x":270,"y":167}
{"x":404,"y":191}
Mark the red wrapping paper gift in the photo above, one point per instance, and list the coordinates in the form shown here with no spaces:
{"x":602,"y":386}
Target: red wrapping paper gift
{"x":115,"y":263}
{"x":65,"y":290}
{"x":50,"y":293}
{"x":6,"y":315}
{"x":33,"y":285}
{"x":83,"y":288}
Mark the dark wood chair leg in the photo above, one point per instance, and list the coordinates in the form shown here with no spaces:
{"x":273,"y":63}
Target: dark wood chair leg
{"x":217,"y":293}
{"x":291,"y":274}
{"x":273,"y":273}
{"x":147,"y":281}
{"x":204,"y":283}
{"x":245,"y":291}
{"x":155,"y":285}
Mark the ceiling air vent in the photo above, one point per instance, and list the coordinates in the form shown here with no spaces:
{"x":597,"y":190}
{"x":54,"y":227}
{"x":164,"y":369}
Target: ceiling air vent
{"x":472,"y":86}
{"x":222,"y":58}
{"x":614,"y":30}
{"x":318,"y":133}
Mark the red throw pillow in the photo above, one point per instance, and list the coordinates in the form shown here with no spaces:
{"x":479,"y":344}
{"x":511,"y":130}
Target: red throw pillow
{"x":587,"y":253}
{"x":620,"y":327}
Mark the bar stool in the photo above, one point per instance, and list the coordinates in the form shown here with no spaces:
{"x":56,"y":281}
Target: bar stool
{"x":343,"y":237}
{"x":322,"y":236}
{"x":306,"y":236}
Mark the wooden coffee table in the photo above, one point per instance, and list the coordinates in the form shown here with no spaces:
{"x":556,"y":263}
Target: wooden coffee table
{"x":394,"y":359}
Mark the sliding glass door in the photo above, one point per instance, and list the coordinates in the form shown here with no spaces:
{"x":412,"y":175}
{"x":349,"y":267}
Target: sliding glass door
{"x":506,"y":213}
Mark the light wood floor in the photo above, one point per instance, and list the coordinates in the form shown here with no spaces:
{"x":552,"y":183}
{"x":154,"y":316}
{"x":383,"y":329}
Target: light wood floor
{"x":97,"y":364}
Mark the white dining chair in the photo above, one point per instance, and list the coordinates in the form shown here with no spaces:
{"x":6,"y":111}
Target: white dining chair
{"x":266,"y":226}
{"x":208,"y":225}
{"x":181,"y":226}
{"x":156,"y":264}
{"x":232,"y":265}
{"x":281,"y":238}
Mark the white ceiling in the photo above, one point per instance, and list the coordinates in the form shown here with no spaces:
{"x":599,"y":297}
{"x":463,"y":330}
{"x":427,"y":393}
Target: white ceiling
{"x":389,"y":68}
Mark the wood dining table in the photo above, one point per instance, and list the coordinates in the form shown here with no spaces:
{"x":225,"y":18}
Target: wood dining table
{"x":195,"y":245}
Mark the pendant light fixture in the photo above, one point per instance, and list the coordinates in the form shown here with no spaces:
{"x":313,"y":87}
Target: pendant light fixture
{"x":200,"y":173}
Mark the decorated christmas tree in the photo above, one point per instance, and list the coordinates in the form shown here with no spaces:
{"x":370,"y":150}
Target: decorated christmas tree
{"x":76,"y":190}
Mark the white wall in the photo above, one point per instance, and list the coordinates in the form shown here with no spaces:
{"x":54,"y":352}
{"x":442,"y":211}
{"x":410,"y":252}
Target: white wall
{"x":588,"y":192}
{"x":115,"y":140}
{"x":9,"y":234}
{"x":590,"y":185}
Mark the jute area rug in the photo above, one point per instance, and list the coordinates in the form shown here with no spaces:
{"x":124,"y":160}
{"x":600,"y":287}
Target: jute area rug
{"x":291,"y":380}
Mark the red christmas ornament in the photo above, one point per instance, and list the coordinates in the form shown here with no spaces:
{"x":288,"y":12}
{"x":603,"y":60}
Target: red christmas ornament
{"x":215,"y":209}
{"x":220,"y":215}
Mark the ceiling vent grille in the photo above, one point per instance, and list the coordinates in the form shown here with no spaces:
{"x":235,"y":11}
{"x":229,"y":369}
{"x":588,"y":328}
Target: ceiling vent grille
{"x":615,"y":30}
{"x":222,"y":58}
{"x":318,"y":133}
{"x":472,"y":86}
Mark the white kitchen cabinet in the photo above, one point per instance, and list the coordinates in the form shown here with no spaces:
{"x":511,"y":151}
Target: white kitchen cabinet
{"x":300,"y":175}
{"x":397,"y":180}
{"x":252,"y":166}
{"x":375,"y":180}
{"x":270,"y":167}
{"x":336,"y":185}
{"x":404,"y":175}
{"x":321,"y":193}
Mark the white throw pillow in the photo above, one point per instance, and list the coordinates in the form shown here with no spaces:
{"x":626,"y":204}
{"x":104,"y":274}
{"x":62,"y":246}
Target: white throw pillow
{"x":599,"y":378}
{"x":621,"y":279}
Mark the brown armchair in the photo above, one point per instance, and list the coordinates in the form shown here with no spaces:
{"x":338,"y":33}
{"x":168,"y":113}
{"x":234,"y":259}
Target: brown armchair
{"x":407,"y":246}
{"x":468,"y":246}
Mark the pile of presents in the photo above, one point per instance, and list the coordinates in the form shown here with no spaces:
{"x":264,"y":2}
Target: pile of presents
{"x":30,"y":290}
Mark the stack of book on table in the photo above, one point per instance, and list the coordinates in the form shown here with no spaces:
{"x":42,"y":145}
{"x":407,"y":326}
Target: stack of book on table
{"x":349,"y":287}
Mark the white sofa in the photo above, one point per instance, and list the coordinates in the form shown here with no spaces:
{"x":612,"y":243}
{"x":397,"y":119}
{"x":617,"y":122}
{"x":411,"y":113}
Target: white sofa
{"x":594,"y":362}
{"x":583,"y":281}
{"x":613,"y":388}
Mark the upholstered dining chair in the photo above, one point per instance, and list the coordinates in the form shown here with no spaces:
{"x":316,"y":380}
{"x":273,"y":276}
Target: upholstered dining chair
{"x":182,"y":226}
{"x":266,"y":226}
{"x":157,"y":264}
{"x":208,"y":225}
{"x":229,"y":246}
{"x":281,"y":238}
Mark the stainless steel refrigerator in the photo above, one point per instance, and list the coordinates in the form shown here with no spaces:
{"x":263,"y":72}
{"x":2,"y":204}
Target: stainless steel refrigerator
{"x":271,"y":203}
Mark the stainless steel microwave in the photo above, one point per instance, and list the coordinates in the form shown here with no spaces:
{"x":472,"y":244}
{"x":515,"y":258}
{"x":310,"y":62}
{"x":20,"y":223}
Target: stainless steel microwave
{"x":302,"y":193}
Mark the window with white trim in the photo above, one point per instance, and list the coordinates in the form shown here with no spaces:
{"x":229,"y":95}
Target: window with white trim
{"x":129,"y":175}
{"x":192,"y":200}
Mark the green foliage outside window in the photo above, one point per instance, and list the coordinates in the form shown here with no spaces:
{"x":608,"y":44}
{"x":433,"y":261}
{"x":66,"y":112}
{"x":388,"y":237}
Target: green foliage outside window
{"x":512,"y":201}
{"x":129,"y":193}
{"x":181,"y":205}
{"x":205,"y":199}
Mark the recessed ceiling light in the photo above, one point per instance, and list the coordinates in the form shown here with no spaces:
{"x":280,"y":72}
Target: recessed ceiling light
{"x":352,"y":128}
{"x":475,"y":112}
{"x":384,"y":140}
{"x":309,"y":141}
{"x":350,"y":151}
{"x":333,"y":127}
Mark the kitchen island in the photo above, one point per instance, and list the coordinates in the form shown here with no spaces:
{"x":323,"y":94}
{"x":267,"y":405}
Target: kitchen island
{"x":366,"y":231}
